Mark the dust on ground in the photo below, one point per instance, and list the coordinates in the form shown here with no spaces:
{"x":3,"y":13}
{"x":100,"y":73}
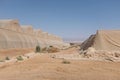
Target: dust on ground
{"x":45,"y":67}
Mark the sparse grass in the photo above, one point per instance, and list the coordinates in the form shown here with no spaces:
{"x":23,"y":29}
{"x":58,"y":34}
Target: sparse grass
{"x":2,"y":60}
{"x":7,"y":58}
{"x":66,"y":62}
{"x":19,"y":58}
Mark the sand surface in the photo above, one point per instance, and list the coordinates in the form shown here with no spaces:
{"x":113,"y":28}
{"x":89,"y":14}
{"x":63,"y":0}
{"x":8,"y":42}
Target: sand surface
{"x":44,"y":67}
{"x":14,"y":52}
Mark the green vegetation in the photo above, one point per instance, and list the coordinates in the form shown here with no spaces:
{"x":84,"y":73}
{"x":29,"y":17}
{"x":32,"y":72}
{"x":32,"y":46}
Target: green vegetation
{"x":7,"y":58}
{"x":66,"y":62}
{"x":45,"y":50}
{"x":19,"y":58}
{"x":38,"y":49}
{"x":2,"y":60}
{"x":53,"y":49}
{"x":50,"y":46}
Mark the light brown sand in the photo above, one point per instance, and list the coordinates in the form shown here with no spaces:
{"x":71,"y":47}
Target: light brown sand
{"x":13,"y":52}
{"x":43,"y":67}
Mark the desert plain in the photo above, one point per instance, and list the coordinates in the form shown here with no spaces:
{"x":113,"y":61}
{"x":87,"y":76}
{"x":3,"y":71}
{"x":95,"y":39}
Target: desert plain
{"x":44,"y":66}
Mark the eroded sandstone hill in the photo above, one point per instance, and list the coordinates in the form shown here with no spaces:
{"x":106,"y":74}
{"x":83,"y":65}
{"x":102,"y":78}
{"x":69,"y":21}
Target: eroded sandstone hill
{"x":107,"y":40}
{"x":12,"y":35}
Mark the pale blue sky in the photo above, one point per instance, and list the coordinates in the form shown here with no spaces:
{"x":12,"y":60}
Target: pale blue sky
{"x":72,"y":19}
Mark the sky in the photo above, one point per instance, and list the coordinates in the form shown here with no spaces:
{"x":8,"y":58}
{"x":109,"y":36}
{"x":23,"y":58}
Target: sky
{"x":69,"y":19}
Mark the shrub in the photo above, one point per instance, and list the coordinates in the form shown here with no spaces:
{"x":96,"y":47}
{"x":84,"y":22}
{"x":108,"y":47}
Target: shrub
{"x":45,"y":50}
{"x":53,"y":49}
{"x":50,"y":46}
{"x":7,"y":58}
{"x":28,"y":57}
{"x":20,"y":58}
{"x":38,"y":49}
{"x":2,"y":60}
{"x":66,"y":62}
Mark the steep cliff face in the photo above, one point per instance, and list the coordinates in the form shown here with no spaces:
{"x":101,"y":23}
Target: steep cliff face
{"x":12,"y":35}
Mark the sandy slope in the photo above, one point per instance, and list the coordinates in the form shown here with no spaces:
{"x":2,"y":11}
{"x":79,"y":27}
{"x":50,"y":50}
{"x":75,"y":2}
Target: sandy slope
{"x":43,"y":67}
{"x":13,"y":52}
